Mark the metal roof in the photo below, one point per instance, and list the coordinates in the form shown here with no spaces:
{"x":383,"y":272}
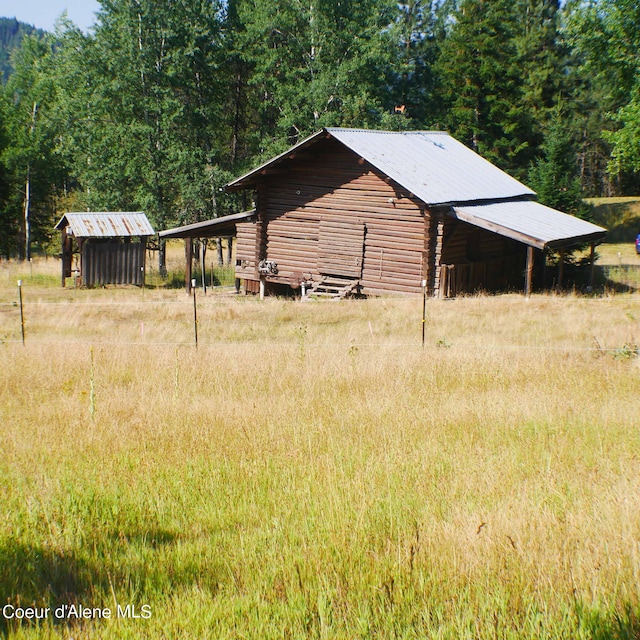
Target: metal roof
{"x":531,"y":223}
{"x":107,"y":224}
{"x":432,"y":165}
{"x":223,"y":226}
{"x":439,"y":170}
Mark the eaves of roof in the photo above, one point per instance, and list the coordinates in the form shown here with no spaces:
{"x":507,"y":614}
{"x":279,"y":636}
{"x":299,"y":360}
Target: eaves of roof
{"x":223,"y":226}
{"x":431,"y":165}
{"x":530,"y":222}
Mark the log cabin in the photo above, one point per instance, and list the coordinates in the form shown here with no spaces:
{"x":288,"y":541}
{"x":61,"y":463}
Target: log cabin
{"x":366,"y":212}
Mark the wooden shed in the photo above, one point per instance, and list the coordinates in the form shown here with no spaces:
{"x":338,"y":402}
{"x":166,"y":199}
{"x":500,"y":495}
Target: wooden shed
{"x":110,"y":247}
{"x":378,"y":212}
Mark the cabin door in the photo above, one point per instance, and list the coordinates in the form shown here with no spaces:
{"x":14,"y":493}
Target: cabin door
{"x":341,"y":248}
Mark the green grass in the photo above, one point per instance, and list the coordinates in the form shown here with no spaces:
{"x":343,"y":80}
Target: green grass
{"x":620,"y":216}
{"x":311,"y":472}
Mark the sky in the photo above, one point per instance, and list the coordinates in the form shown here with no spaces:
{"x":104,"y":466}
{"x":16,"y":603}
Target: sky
{"x":43,"y":13}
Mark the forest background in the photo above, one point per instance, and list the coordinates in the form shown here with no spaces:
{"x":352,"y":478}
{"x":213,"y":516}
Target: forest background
{"x":163,"y":101}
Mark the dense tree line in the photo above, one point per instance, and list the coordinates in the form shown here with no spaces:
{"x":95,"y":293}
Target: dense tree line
{"x":164,"y":100}
{"x":12,"y":32}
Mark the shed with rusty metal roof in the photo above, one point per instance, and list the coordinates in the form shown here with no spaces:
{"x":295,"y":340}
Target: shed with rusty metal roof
{"x":107,"y":247}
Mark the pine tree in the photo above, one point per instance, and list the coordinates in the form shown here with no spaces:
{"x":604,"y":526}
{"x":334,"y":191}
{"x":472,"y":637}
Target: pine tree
{"x":418,"y":32}
{"x":500,"y":71}
{"x":554,"y":176}
{"x":480,"y":81}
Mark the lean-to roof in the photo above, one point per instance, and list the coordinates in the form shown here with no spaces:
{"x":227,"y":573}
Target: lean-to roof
{"x":531,"y":223}
{"x":223,"y":226}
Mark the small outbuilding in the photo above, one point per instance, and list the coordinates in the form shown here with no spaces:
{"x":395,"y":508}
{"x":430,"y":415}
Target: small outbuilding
{"x":111,"y":247}
{"x":376,"y":212}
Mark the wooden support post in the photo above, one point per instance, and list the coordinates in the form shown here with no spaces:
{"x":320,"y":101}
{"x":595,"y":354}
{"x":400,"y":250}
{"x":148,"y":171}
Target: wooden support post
{"x":229,"y":250}
{"x":63,"y":235}
{"x":80,"y":273}
{"x":529,"y":272}
{"x":561,"y":268}
{"x":203,"y":266}
{"x":219,"y":249}
{"x":544,"y":269}
{"x":592,"y":265}
{"x":188,"y":257}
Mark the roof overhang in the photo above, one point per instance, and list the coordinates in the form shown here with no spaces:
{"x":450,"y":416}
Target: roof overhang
{"x":249,"y":179}
{"x":431,"y":165}
{"x":107,"y":224}
{"x":531,"y":223}
{"x":218,"y":227}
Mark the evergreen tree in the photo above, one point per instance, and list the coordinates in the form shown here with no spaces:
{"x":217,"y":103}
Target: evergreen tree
{"x":543,"y":57}
{"x":480,"y":81}
{"x":554,"y":176}
{"x":419,"y":29}
{"x":314,"y":64}
{"x":500,"y":70}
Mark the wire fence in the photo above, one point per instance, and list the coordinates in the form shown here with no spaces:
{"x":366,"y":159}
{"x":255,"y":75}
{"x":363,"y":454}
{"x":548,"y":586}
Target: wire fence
{"x":625,"y":275}
{"x":629,"y":349}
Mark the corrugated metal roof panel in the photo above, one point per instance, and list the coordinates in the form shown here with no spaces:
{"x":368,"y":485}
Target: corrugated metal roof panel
{"x":222,"y":226}
{"x":107,"y":224}
{"x":530,"y":222}
{"x":432,"y":165}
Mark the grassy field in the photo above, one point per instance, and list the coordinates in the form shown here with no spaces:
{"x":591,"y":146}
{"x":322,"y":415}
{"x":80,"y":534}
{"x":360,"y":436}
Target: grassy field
{"x":310,"y":471}
{"x":621,"y":216}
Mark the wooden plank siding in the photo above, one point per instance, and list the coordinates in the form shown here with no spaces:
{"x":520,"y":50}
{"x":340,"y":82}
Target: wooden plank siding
{"x":113,"y":262}
{"x":333,"y":213}
{"x":474,"y":259}
{"x":341,"y":248}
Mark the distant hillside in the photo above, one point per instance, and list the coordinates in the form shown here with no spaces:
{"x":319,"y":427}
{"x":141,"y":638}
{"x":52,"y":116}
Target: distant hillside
{"x":621,"y":216}
{"x":11,"y":33}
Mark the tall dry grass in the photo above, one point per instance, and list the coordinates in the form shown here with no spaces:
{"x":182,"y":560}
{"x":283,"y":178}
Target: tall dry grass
{"x":311,"y":471}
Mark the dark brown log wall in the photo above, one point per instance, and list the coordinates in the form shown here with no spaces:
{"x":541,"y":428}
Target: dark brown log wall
{"x":247,"y":250}
{"x":353,"y":201}
{"x":474,"y":259}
